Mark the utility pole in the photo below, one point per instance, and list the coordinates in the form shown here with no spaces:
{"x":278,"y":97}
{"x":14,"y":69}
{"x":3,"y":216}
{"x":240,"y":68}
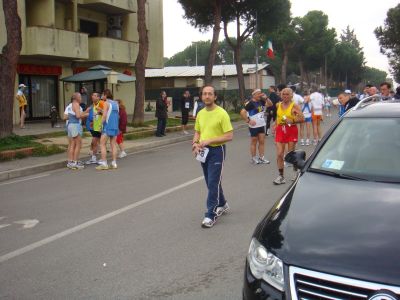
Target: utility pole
{"x":195,"y":44}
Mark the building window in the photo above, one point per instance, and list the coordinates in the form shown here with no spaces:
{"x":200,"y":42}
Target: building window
{"x":89,"y":27}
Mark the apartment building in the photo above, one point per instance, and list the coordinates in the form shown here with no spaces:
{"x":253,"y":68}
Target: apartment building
{"x":64,"y":37}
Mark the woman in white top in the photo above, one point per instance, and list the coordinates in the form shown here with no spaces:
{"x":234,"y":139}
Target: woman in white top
{"x":317,"y":101}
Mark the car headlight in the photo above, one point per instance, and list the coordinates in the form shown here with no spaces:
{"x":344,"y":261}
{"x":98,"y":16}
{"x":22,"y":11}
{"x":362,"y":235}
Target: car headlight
{"x":264,"y":265}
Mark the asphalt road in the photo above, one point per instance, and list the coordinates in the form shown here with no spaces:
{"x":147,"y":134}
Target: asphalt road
{"x":133,"y":233}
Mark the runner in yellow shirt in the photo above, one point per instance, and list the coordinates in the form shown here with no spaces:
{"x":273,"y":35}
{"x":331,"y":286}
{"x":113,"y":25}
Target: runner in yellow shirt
{"x":213,"y":129}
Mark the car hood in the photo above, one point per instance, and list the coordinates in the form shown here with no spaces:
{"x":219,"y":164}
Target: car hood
{"x":338,"y":226}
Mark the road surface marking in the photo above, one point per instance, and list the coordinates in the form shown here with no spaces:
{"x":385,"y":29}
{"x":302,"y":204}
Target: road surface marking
{"x":82,"y":226}
{"x":27,"y":223}
{"x":24,"y":179}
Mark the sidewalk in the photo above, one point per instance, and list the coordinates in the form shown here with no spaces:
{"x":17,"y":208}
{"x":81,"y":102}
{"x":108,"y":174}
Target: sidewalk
{"x":33,"y":165}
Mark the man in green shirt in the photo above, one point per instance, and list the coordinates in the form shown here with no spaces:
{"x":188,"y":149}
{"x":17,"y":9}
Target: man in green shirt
{"x":213,"y":129}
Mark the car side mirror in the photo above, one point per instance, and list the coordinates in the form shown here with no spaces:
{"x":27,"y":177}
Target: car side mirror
{"x":297,"y":158}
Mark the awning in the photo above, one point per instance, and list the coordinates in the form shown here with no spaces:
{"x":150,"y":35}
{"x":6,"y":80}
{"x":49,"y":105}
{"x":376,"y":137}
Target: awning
{"x":97,"y":73}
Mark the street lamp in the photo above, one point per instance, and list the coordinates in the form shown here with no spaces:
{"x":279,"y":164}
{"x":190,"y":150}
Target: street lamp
{"x":224,"y":85}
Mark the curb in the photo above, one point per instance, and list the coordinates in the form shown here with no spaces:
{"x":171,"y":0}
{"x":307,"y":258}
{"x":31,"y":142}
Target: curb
{"x":58,"y":164}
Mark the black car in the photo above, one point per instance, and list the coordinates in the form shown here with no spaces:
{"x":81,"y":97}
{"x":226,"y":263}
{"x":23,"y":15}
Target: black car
{"x":335,"y":233}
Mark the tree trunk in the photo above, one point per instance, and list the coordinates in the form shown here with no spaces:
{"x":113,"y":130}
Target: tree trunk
{"x":140,"y":64}
{"x":285,"y":61}
{"x":8,"y":65}
{"x":301,"y":66}
{"x":239,"y":71}
{"x":214,"y":43}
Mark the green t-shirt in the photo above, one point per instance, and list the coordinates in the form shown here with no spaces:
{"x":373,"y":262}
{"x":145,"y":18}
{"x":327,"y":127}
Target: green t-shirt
{"x":212,"y":124}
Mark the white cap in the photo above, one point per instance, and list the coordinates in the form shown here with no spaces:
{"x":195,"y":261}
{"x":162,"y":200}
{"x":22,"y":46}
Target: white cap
{"x":347,"y":91}
{"x":22,"y":85}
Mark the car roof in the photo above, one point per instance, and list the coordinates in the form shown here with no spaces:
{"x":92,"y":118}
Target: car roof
{"x":388,"y":109}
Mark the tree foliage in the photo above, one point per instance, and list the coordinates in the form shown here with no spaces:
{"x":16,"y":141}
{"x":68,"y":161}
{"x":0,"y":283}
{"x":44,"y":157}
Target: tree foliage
{"x":373,"y":76}
{"x":249,"y":16}
{"x":389,"y":40}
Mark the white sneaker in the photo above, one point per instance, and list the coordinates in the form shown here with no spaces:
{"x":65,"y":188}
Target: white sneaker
{"x":262,"y":160}
{"x":255,"y":160}
{"x":302,"y":142}
{"x":315,"y":142}
{"x":307,"y":142}
{"x":102,"y":166}
{"x":93,"y":160}
{"x":222,"y":209}
{"x":122,"y":154}
{"x":279,"y":180}
{"x":113,"y":165}
{"x":207,"y":223}
{"x":71,"y":165}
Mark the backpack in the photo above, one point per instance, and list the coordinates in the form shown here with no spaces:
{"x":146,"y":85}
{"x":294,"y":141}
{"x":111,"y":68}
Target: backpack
{"x":200,"y":106}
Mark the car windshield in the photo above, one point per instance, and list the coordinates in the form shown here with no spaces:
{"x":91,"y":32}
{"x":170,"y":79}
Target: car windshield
{"x":362,"y":148}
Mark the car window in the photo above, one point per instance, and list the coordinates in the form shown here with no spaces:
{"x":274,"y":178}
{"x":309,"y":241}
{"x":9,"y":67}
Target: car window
{"x":368,"y":148}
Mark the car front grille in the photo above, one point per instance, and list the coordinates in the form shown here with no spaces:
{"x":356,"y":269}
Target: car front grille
{"x":310,"y":285}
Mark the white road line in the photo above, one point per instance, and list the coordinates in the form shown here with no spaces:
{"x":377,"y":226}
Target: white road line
{"x":82,"y":226}
{"x":24,"y":179}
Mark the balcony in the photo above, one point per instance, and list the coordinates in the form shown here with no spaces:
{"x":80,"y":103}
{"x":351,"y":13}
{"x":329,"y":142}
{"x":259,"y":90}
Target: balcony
{"x":46,"y":41}
{"x":110,"y":7}
{"x":112,"y":50}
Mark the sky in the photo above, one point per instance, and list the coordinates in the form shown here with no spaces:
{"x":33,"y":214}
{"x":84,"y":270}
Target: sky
{"x":358,"y":14}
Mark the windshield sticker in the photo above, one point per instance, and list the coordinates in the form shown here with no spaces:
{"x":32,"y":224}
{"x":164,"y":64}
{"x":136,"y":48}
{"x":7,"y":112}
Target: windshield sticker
{"x":333,"y":164}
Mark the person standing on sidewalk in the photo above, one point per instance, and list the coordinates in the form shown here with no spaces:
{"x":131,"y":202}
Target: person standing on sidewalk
{"x":22,"y":104}
{"x":93,"y":124}
{"x":161,"y":114}
{"x":123,"y":121}
{"x":74,"y":115}
{"x":253,"y":114}
{"x":186,"y":103}
{"x":110,"y":122}
{"x":317,"y":101}
{"x":213,"y":129}
{"x":288,"y":114}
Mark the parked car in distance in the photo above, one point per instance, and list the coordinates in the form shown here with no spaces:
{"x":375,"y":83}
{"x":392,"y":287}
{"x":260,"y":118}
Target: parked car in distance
{"x":335,"y":233}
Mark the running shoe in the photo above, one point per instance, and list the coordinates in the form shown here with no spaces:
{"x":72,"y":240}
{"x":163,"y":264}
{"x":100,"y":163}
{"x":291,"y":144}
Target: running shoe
{"x":102,"y":166}
{"x":255,"y":160}
{"x":222,"y":209}
{"x":122,"y":154}
{"x":315,"y":142}
{"x":71,"y":165}
{"x":262,"y":160}
{"x":307,"y":142}
{"x":113,"y":165}
{"x":279,"y":180}
{"x":93,"y":160}
{"x":207,"y":223}
{"x":302,"y":142}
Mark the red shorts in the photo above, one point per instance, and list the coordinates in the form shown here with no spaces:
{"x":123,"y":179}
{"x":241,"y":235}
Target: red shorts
{"x":120,"y":138}
{"x":316,"y":118}
{"x":286,"y":134}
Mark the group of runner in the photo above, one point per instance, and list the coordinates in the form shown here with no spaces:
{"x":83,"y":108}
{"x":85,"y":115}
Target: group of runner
{"x":106,"y":119}
{"x":287,"y":112}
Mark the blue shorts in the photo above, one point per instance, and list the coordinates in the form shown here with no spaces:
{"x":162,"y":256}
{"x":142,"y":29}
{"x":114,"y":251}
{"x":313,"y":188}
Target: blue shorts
{"x":256,"y":131}
{"x":74,"y":129}
{"x":308,"y":120}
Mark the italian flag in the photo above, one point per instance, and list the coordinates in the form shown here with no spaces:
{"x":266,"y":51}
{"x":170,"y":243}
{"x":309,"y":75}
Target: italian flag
{"x":269,"y":50}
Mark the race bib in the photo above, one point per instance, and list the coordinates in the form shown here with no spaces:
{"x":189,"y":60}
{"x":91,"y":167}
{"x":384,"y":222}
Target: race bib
{"x":202,"y":155}
{"x":260,"y":120}
{"x":187,"y":105}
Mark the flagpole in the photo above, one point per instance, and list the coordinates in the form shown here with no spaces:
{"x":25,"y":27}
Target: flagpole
{"x":256,"y":51}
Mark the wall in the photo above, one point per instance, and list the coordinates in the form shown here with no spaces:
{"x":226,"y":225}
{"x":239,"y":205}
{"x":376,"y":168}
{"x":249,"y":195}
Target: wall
{"x":154,"y":18}
{"x":40,"y":13}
